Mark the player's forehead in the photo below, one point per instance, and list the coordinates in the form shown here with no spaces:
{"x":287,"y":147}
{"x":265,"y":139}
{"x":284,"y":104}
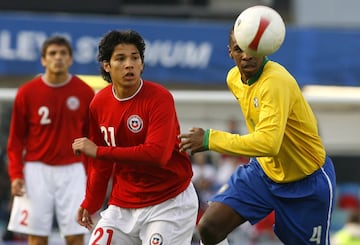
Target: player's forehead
{"x":233,"y":44}
{"x":54,"y":48}
{"x":125,"y":49}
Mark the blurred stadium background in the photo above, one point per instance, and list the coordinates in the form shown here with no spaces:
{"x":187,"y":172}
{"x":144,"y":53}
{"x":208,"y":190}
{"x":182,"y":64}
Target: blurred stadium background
{"x":186,"y":52}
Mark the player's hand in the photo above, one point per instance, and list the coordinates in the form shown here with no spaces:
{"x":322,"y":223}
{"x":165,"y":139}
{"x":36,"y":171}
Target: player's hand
{"x":192,"y":141}
{"x":84,"y":218}
{"x":18,"y":187}
{"x":85,"y":146}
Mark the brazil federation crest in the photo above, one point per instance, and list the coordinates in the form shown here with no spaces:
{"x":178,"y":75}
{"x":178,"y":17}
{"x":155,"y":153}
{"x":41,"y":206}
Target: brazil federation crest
{"x":256,"y":102}
{"x":156,"y":239}
{"x":135,"y":123}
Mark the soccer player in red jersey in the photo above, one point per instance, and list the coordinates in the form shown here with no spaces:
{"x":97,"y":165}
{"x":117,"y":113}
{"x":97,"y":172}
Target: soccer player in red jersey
{"x":49,"y":112}
{"x":133,"y":139}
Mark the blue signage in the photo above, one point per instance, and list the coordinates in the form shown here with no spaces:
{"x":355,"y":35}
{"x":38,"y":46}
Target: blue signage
{"x":177,"y":51}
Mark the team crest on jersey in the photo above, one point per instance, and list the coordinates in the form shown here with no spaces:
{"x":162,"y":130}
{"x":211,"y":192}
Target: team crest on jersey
{"x":135,"y":123}
{"x":256,"y":102}
{"x":156,"y":239}
{"x":73,"y":103}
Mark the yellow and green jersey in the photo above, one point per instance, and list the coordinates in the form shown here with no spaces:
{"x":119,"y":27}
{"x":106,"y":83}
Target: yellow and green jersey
{"x":283,"y":133}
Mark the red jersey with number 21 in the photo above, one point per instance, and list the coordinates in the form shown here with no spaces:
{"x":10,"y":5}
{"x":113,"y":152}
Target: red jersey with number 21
{"x":137,"y":142}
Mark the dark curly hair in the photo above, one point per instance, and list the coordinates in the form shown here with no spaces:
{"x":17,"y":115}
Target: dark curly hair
{"x":111,"y":40}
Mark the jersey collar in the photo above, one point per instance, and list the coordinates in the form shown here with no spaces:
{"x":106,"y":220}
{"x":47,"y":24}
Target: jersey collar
{"x":253,"y":79}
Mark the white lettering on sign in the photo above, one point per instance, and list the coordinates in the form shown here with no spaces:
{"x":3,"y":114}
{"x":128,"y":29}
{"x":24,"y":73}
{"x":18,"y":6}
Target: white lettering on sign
{"x":26,"y":46}
{"x":186,"y":54}
{"x":85,"y":50}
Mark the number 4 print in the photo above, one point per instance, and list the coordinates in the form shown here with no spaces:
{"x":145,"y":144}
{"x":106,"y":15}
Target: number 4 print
{"x":316,"y":236}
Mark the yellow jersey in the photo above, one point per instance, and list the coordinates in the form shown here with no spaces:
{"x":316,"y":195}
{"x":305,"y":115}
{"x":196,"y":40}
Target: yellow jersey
{"x":283,"y":133}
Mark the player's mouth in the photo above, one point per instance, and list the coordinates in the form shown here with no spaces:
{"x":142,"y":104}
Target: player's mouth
{"x":129,"y":76}
{"x":58,"y":64}
{"x":248,"y":66}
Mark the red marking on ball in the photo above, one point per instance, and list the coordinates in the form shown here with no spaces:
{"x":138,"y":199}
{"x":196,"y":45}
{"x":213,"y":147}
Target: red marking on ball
{"x":262,"y":27}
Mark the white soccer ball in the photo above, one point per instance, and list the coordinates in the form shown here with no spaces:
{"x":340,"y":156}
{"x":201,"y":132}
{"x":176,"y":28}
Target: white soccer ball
{"x":259,"y":30}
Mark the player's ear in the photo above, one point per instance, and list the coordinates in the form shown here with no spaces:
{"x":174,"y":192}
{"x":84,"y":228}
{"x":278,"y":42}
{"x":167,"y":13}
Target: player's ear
{"x":43,"y":61}
{"x":106,"y":65}
{"x":229,"y":52}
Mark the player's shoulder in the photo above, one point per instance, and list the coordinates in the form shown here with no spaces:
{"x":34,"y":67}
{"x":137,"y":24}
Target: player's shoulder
{"x":273,"y":67}
{"x":234,"y":71}
{"x":276,"y":70}
{"x":233,"y":75}
{"x":35,"y":80}
{"x":280,"y":78}
{"x":106,"y":89}
{"x":105,"y":92}
{"x":154,"y":88}
{"x":31,"y":84}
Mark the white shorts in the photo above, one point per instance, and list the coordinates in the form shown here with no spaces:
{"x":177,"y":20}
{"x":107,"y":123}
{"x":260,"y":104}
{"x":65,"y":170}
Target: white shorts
{"x":49,"y":191}
{"x":169,"y":223}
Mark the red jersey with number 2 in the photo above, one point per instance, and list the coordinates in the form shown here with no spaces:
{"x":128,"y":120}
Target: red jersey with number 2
{"x":45,"y":120}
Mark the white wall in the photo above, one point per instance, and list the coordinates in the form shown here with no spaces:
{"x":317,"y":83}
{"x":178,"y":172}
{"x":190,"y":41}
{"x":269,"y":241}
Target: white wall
{"x":326,"y":12}
{"x":336,"y":108}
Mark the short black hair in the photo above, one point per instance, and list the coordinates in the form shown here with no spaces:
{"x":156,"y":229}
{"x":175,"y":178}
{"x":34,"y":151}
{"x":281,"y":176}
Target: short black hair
{"x":111,"y":40}
{"x":58,"y":40}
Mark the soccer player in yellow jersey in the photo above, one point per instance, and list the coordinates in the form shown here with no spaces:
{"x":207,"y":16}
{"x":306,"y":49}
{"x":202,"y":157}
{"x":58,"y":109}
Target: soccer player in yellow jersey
{"x":289,"y":171}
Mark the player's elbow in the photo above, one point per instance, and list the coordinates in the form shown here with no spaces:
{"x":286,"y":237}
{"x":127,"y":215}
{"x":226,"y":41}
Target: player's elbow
{"x":159,"y":157}
{"x":272,"y":147}
{"x":159,"y":161}
{"x":165,"y":159}
{"x":273,"y":151}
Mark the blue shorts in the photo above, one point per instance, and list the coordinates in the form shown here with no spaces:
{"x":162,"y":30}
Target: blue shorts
{"x":302,"y":208}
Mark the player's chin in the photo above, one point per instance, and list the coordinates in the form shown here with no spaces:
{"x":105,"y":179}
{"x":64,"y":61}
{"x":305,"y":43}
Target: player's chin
{"x":249,"y":70}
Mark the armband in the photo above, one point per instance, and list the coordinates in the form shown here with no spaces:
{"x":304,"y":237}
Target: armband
{"x":206,"y":139}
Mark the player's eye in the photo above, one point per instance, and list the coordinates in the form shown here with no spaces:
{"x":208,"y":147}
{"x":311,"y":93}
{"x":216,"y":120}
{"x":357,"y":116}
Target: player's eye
{"x":238,"y":49}
{"x":120,"y":58}
{"x":63,"y":52}
{"x":52,"y":53}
